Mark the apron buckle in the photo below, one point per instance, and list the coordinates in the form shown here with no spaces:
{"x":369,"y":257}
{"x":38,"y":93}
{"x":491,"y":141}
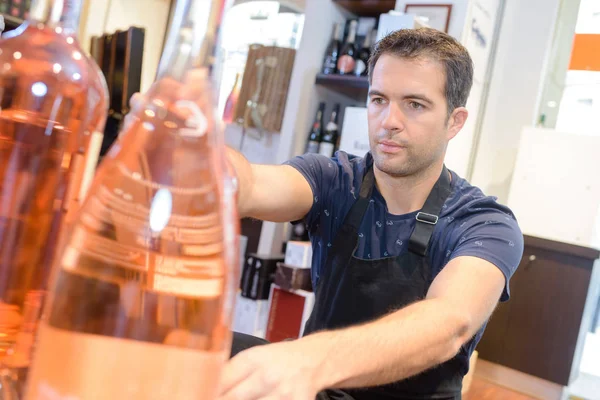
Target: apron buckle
{"x":427,"y":218}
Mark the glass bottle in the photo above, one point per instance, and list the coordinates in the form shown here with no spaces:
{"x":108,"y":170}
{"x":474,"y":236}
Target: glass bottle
{"x":53,"y":103}
{"x":140,"y":305}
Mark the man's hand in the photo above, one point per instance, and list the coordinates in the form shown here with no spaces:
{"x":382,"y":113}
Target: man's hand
{"x":286,"y":370}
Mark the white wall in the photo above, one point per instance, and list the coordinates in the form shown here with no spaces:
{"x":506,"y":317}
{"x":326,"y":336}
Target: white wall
{"x":560,"y":56}
{"x":521,"y":60}
{"x":106,"y":16}
{"x":457,"y":17}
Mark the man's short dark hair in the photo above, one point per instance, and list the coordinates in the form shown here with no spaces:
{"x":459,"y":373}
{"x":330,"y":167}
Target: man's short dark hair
{"x":435,"y":45}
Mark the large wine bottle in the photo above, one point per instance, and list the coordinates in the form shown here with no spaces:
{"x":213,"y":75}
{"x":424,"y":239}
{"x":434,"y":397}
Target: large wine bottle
{"x":316,"y":132}
{"x":347,"y":58}
{"x":53,"y":104}
{"x":140,"y":304}
{"x":330,"y":137}
{"x":362,"y":60}
{"x":333,"y":50}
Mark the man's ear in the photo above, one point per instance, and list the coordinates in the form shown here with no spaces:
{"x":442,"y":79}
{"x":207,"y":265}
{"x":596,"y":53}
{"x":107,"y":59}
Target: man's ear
{"x":457,"y":121}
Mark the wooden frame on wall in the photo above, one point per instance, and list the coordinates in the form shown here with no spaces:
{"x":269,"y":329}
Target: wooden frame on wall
{"x":440,"y":12}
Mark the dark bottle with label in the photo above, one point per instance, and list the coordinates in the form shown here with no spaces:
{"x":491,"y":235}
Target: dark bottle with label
{"x":347,"y":62}
{"x":299,"y":232}
{"x":333,"y":51}
{"x":316,"y":133}
{"x":362,"y":60}
{"x":330,"y":137}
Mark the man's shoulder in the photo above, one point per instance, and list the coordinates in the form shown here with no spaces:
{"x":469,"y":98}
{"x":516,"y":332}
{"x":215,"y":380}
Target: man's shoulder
{"x":467,"y":200}
{"x":342,"y":167}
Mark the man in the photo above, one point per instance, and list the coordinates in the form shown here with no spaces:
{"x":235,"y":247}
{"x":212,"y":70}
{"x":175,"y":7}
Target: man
{"x":409,"y":259}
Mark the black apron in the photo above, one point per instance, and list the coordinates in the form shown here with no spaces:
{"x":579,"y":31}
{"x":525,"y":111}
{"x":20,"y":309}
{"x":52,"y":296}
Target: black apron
{"x":351,"y":291}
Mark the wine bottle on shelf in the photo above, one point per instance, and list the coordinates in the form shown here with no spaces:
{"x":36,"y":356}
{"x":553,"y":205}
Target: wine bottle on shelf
{"x":54,"y":103}
{"x":333,"y":50}
{"x":140,"y":299}
{"x":232,"y":99}
{"x":299,"y":232}
{"x":316,"y":133}
{"x":362,"y":60}
{"x":330,"y":137}
{"x":346,"y":61}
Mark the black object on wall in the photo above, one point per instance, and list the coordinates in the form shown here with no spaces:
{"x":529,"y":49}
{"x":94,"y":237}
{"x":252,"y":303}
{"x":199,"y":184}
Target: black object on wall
{"x":120,"y":56}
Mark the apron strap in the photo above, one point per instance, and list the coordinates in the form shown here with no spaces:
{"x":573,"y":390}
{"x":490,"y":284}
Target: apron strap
{"x":356,"y":213}
{"x":428,"y":217}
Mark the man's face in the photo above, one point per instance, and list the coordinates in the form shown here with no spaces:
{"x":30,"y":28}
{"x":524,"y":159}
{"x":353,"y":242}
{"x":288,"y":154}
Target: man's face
{"x":409,"y":128}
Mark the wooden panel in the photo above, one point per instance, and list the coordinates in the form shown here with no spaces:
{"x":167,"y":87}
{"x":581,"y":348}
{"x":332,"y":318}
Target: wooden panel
{"x":537,"y":330}
{"x":586,"y":53}
{"x":272,"y":98}
{"x":367,"y":8}
{"x":485,"y":390}
{"x":563,"y":248}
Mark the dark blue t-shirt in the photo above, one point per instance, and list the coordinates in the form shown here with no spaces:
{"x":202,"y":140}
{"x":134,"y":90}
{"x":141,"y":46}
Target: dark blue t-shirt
{"x":470,"y":224}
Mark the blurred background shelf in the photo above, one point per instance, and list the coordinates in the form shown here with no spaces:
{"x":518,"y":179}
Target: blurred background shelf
{"x":355,"y":87}
{"x":367,"y":8}
{"x":348,"y":81}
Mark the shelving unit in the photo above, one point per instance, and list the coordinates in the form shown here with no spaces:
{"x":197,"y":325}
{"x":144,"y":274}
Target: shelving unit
{"x":11,"y":22}
{"x":367,"y":8}
{"x":355,"y":87}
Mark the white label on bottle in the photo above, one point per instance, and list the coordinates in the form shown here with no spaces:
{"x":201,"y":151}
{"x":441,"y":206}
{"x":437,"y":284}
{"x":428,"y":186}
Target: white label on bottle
{"x":360,"y":68}
{"x":346,"y":64}
{"x":196,"y":124}
{"x":313,"y":147}
{"x":326,"y":149}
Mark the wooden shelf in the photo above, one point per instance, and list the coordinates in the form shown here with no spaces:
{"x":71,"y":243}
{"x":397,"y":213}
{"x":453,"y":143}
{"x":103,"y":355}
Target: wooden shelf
{"x":355,"y":87}
{"x":367,"y":8}
{"x":346,"y":81}
{"x":11,"y":22}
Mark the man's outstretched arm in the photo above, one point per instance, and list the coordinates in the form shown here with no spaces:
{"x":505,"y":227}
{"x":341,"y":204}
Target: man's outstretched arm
{"x":392,"y":348}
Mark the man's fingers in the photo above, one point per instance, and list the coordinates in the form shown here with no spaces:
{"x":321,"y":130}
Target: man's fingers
{"x":250,"y":388}
{"x":136,"y":100}
{"x":235,"y":371}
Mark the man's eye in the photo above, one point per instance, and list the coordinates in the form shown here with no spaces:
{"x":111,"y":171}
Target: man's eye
{"x":416,"y":106}
{"x":377,"y":100}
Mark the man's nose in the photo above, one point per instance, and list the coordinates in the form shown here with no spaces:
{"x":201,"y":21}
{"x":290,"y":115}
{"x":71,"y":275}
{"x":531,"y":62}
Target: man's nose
{"x":393,"y":119}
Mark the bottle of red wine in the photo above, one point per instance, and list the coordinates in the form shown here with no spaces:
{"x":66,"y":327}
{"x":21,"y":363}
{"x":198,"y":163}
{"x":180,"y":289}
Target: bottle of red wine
{"x":333,"y":50}
{"x":347,"y":62}
{"x":316,"y":133}
{"x":362,"y":60}
{"x":330,"y":137}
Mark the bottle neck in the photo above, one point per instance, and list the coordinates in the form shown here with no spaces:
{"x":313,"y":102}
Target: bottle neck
{"x":367,"y":42}
{"x":337,"y":30}
{"x":192,"y":37}
{"x":334,"y":116}
{"x":352,"y":33}
{"x":62,"y":14}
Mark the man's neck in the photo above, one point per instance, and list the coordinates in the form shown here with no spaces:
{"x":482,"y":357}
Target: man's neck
{"x":404,"y":195}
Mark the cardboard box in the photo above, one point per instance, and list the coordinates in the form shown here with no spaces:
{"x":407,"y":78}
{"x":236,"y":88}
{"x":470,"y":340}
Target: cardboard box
{"x":288,"y":313}
{"x":298,"y":254}
{"x":258,"y":275}
{"x":251,"y":316}
{"x":289,"y":277}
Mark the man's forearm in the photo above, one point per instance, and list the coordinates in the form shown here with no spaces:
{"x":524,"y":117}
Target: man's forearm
{"x":392,"y":348}
{"x":242,"y":170}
